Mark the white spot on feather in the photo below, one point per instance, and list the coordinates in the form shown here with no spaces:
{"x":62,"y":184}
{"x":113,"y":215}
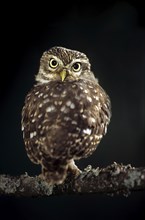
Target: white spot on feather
{"x":63,"y":94}
{"x":67,"y":118}
{"x":41,"y":94}
{"x":96,"y":97}
{"x":99,"y":136}
{"x":64,"y":109}
{"x":40,"y":105}
{"x":91,"y":120}
{"x":91,"y":87}
{"x":78,"y":129}
{"x":33,"y":120}
{"x":105,"y":106}
{"x":74,"y":123}
{"x":72,"y":106}
{"x":60,"y":102}
{"x":105,"y":129}
{"x":81,"y":110}
{"x":40,"y":115}
{"x":84,"y":116}
{"x":55,"y":102}
{"x":55,"y":95}
{"x":46,"y":100}
{"x":87,"y":131}
{"x":68,"y":103}
{"x":28,"y":98}
{"x":86,"y":91}
{"x":74,"y":86}
{"x":91,"y":138}
{"x":51,"y":108}
{"x":75,"y":135}
{"x":89,"y":99}
{"x":78,"y":140}
{"x":45,"y":96}
{"x":33,"y":134}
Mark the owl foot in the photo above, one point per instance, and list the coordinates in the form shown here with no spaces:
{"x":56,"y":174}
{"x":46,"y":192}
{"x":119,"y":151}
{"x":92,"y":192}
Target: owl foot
{"x":73,"y":169}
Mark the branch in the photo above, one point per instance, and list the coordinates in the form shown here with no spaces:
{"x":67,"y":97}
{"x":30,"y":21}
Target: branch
{"x":114,"y":179}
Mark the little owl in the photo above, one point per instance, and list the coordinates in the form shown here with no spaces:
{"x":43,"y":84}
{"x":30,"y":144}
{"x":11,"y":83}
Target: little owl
{"x":65,"y":114}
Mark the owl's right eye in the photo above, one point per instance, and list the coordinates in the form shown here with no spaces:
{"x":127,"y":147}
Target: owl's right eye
{"x":53,"y":63}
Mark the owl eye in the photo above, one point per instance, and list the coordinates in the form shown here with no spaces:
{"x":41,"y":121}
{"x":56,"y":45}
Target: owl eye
{"x":53,"y":63}
{"x":76,"y":67}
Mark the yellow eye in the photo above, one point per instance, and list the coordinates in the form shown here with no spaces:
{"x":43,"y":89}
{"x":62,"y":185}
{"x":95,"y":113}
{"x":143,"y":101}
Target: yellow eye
{"x":53,"y":63}
{"x":76,"y":67}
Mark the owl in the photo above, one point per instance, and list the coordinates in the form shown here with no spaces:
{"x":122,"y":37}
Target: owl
{"x":65,"y":114}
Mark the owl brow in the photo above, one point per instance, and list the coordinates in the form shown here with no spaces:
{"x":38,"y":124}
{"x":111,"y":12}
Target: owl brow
{"x":63,"y":55}
{"x":56,"y":58}
{"x":79,"y":60}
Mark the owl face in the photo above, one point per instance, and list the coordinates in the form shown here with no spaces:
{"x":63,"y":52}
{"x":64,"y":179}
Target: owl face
{"x":63,"y":64}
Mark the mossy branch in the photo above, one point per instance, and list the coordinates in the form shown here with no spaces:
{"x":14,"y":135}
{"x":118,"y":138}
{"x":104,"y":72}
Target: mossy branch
{"x":112,"y":180}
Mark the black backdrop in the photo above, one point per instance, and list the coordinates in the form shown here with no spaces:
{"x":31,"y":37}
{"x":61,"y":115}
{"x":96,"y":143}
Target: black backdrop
{"x":112,"y":34}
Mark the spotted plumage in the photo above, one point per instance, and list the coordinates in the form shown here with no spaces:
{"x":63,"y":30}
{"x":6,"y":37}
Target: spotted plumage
{"x":65,"y":114}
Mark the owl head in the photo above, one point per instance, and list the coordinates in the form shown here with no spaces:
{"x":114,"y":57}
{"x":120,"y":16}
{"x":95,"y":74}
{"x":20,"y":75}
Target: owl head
{"x":63,"y":64}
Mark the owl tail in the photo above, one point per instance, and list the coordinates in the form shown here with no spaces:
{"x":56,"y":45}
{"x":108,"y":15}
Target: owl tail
{"x":54,"y":171}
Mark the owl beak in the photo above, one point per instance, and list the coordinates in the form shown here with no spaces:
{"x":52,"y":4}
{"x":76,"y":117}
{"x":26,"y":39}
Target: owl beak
{"x":63,"y":74}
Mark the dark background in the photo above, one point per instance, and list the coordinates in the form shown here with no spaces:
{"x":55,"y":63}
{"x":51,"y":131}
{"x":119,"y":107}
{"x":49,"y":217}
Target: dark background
{"x":112,"y":34}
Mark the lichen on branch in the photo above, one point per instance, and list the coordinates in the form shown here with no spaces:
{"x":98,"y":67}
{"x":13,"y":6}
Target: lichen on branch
{"x":112,"y":180}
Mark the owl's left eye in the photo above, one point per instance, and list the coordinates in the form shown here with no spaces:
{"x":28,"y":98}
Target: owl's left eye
{"x":53,"y":63}
{"x":76,"y":66}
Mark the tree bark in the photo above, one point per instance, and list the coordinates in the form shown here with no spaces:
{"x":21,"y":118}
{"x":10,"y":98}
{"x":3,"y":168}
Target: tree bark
{"x":114,"y":179}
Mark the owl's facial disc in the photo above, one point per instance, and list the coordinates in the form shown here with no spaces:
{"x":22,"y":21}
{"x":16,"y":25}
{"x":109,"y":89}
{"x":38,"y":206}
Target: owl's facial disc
{"x":62,"y":64}
{"x":59,"y":70}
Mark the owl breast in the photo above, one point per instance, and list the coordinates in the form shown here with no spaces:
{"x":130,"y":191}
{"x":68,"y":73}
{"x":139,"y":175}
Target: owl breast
{"x":64,"y":119}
